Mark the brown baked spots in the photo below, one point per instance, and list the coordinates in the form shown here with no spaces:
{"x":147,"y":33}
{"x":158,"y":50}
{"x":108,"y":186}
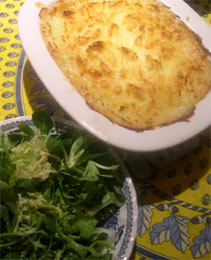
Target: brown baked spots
{"x":133,"y":61}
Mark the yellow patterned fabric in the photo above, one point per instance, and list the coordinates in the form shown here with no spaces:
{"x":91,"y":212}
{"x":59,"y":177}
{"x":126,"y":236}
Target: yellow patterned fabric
{"x":173,"y":191}
{"x":174,"y":212}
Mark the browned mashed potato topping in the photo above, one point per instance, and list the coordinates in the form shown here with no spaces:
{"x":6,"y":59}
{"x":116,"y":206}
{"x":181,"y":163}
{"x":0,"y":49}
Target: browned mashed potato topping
{"x":133,"y":61}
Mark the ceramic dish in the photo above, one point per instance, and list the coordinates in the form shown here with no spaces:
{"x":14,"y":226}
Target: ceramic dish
{"x":70,"y":100}
{"x":124,"y":222}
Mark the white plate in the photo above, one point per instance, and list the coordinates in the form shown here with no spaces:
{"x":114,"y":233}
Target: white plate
{"x":125,"y":220}
{"x":75,"y":105}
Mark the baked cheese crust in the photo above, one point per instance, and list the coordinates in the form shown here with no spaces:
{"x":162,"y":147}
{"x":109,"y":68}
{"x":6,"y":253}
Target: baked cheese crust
{"x":133,"y":61}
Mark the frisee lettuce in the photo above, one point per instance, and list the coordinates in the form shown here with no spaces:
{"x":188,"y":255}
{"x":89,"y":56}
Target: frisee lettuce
{"x":57,"y":190}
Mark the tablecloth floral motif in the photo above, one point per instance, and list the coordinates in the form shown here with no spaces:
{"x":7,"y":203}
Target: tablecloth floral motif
{"x":174,"y":213}
{"x":174,"y":197}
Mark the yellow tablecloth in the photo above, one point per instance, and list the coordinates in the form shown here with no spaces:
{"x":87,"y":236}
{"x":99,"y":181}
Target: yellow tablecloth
{"x":173,"y":191}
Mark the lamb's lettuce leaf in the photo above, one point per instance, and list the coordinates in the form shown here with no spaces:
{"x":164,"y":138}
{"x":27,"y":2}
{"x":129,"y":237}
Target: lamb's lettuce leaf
{"x":57,"y":189}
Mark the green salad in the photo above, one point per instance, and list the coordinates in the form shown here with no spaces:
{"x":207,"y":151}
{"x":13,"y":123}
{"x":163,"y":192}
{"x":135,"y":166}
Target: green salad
{"x":57,"y":190}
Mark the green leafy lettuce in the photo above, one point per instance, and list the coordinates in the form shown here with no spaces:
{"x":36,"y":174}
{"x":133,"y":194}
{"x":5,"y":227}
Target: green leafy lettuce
{"x":57,"y":189}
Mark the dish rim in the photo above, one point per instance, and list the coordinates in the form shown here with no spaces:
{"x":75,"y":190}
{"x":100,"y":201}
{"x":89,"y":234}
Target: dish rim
{"x":54,"y":80}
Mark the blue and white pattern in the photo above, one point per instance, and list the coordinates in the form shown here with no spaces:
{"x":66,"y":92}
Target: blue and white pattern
{"x":130,"y":221}
{"x":202,"y":243}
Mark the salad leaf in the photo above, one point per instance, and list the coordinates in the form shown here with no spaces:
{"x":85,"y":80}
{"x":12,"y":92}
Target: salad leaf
{"x":109,"y":198}
{"x":8,"y":196}
{"x":84,"y":225}
{"x":75,"y":152}
{"x":29,"y":185}
{"x":57,"y":191}
{"x":26,"y":129}
{"x":42,"y":121}
{"x":30,"y":159}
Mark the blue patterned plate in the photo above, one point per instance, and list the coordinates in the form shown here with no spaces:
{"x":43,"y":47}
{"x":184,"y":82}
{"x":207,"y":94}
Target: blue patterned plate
{"x":124,"y":222}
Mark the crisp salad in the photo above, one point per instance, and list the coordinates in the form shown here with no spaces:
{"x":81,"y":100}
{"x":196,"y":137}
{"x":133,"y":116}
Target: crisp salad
{"x":57,"y":190}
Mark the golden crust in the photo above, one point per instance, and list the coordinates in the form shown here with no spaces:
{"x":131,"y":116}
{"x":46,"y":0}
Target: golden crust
{"x":133,"y":61}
